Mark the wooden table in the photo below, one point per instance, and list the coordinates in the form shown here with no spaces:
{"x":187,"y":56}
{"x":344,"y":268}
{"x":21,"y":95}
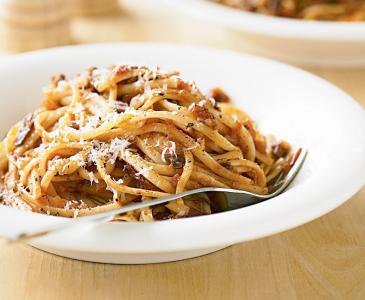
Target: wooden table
{"x":324,"y":259}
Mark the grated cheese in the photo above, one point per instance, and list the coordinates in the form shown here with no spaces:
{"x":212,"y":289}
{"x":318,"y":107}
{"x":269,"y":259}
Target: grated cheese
{"x":163,"y":154}
{"x":115,"y":193}
{"x":171,"y":150}
{"x":92,"y":178}
{"x":144,"y":172}
{"x":108,"y":151}
{"x":9,"y":198}
{"x":191,"y":106}
{"x":194,"y":88}
{"x":78,"y":159}
{"x":100,"y":76}
{"x":117,"y":147}
{"x":202,"y":103}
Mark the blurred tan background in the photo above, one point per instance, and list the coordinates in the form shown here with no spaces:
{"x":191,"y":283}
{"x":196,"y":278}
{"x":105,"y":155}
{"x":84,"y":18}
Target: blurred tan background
{"x":97,"y":21}
{"x":29,"y":25}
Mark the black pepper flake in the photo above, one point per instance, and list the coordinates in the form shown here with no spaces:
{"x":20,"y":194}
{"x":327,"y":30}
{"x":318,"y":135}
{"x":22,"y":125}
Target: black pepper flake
{"x":189,"y":125}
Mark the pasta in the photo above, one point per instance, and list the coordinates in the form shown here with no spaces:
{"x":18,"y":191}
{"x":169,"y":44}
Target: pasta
{"x":111,"y":136}
{"x":327,"y":10}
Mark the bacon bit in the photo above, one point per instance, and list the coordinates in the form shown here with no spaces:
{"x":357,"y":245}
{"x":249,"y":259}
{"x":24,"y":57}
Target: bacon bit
{"x":218,"y":95}
{"x":281,"y":149}
{"x":24,"y":129}
{"x":128,"y":169}
{"x":178,"y":162}
{"x":162,"y":213}
{"x":57,"y":78}
{"x":250,"y":174}
{"x":203,"y":115}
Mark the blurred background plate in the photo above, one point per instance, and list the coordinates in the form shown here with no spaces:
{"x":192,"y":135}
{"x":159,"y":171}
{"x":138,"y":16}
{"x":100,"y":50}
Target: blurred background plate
{"x":305,"y":43}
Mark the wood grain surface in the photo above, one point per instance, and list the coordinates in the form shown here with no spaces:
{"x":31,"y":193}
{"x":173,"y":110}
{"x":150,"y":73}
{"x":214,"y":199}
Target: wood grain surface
{"x":324,"y":259}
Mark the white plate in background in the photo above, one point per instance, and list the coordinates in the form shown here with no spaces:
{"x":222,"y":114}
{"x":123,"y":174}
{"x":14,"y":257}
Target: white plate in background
{"x":285,"y":101}
{"x":300,"y":42}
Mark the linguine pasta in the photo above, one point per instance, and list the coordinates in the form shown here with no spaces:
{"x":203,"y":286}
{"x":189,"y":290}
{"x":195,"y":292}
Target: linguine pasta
{"x":112,"y":136}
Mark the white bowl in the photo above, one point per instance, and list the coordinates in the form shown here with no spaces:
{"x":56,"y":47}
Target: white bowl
{"x":285,"y":101}
{"x":310,"y":43}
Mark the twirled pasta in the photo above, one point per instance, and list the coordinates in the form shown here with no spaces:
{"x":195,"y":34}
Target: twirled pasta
{"x":111,"y":136}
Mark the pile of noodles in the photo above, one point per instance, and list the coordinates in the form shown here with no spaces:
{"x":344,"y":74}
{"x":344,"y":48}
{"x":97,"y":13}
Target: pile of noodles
{"x":108,"y":137}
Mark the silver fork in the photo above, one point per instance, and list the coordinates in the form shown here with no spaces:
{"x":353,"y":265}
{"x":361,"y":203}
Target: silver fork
{"x":235,"y":199}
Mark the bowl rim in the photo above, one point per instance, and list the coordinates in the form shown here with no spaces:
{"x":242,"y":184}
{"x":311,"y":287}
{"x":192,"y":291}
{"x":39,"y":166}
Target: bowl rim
{"x":280,"y":223}
{"x":278,"y":27}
